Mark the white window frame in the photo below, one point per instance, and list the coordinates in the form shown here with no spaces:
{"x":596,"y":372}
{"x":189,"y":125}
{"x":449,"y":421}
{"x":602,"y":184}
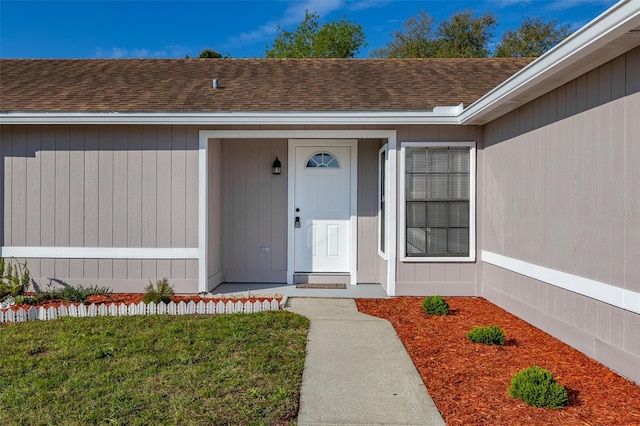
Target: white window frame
{"x":472,"y":202}
{"x":382,"y":252}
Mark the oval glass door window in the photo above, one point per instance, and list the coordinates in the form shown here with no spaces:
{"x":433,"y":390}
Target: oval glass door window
{"x":322,"y":159}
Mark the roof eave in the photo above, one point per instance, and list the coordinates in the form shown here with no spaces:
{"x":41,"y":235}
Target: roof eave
{"x":438,"y":116}
{"x":564,"y":62}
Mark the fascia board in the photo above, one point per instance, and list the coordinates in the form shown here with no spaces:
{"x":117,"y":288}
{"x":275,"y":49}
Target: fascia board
{"x":240,"y":118}
{"x":611,"y":24}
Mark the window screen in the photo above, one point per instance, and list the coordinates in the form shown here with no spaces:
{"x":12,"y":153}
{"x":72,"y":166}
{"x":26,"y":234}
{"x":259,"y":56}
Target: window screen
{"x":437,"y":201}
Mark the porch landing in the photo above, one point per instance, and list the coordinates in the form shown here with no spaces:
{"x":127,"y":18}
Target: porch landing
{"x":360,"y":291}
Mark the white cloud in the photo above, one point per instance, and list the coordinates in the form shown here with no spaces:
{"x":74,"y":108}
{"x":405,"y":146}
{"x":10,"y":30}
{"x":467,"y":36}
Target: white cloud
{"x":295,"y":12}
{"x":118,"y":53}
{"x":123,"y":52}
{"x":292,"y":15}
{"x":568,"y":4}
{"x":368,"y":4}
{"x":507,"y":3}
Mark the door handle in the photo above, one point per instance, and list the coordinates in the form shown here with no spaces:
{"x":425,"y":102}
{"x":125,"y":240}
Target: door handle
{"x":296,"y":223}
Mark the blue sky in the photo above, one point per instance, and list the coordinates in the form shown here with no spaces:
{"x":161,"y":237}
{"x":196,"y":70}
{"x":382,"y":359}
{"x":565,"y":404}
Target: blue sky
{"x":242,"y":28}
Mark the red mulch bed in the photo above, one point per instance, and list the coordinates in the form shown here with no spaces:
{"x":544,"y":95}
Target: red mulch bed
{"x":469,"y":381}
{"x":129,"y":298}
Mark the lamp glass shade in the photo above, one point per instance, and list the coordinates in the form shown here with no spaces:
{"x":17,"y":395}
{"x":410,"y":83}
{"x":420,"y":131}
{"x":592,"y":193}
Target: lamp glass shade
{"x":277,"y":167}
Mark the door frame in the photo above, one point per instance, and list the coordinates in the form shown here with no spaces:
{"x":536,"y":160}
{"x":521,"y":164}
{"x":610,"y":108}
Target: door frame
{"x":353,"y":224}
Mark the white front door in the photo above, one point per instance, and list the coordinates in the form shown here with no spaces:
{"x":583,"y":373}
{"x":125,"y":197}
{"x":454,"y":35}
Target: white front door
{"x":322,"y":204}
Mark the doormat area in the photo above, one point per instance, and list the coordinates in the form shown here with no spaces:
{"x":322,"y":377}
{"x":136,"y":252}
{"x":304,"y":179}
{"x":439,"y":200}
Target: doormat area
{"x":326,"y":286}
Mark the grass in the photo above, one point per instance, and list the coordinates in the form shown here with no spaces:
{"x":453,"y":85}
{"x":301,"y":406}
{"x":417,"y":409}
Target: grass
{"x":188,"y":370}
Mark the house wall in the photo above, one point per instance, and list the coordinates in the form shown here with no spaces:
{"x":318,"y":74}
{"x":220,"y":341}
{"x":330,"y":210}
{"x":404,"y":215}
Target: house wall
{"x":444,"y":278}
{"x":248,"y":160}
{"x":368,"y":265}
{"x":137,"y":187}
{"x":254,"y":210}
{"x":102,"y":186}
{"x":561,"y":191}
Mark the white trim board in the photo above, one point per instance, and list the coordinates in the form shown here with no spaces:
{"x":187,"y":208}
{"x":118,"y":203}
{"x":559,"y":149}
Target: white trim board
{"x":612,"y":295}
{"x":391,"y":205}
{"x":437,"y":116}
{"x":299,"y":134}
{"x":99,"y":252}
{"x":385,"y":148}
{"x":203,"y":220}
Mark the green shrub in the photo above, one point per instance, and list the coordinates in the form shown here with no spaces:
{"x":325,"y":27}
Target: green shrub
{"x":68,"y":293}
{"x":71,"y":294}
{"x":537,"y":387}
{"x":94,"y":290}
{"x":14,"y":278}
{"x":491,"y":335}
{"x":29,"y":300}
{"x":162,"y":292}
{"x":79,"y":294}
{"x":435,"y":305}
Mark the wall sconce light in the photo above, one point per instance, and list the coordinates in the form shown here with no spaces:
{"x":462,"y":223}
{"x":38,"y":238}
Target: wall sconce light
{"x":277,"y":167}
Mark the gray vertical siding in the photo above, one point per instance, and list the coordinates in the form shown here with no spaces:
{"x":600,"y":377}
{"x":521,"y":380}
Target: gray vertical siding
{"x":561,"y":191}
{"x":214,"y":211}
{"x":255,"y":215}
{"x":102,"y":186}
{"x":420,"y":278}
{"x":149,"y":201}
{"x":368,"y":265}
{"x":254,"y":210}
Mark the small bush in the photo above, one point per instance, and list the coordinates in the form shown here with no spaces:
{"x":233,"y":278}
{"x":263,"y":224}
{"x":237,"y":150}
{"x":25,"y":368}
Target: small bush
{"x":14,"y":278}
{"x":491,"y":335}
{"x":74,"y":294}
{"x":435,"y":305}
{"x":68,"y":293}
{"x":162,"y":292}
{"x":71,"y":294}
{"x":537,"y":387}
{"x":30,"y":300}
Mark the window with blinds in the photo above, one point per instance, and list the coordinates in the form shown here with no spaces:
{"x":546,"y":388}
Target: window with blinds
{"x":437,"y":201}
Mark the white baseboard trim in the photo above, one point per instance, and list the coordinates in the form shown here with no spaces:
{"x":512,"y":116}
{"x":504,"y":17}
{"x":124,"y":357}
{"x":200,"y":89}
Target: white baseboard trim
{"x":99,"y":252}
{"x":616,"y":296}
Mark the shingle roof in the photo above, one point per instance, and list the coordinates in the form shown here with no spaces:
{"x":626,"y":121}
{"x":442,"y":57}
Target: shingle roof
{"x":185,"y":85}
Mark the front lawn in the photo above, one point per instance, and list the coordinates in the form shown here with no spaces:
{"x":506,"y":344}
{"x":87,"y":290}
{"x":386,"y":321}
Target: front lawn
{"x":187,"y":370}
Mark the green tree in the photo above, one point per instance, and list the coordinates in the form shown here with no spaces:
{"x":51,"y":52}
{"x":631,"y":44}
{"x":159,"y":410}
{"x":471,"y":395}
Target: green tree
{"x":336,"y":39}
{"x":210,"y":54}
{"x":414,"y":41}
{"x":463,"y":35}
{"x":532,"y":38}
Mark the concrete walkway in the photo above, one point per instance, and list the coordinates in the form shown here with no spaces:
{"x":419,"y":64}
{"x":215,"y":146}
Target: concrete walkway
{"x":357,"y":372}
